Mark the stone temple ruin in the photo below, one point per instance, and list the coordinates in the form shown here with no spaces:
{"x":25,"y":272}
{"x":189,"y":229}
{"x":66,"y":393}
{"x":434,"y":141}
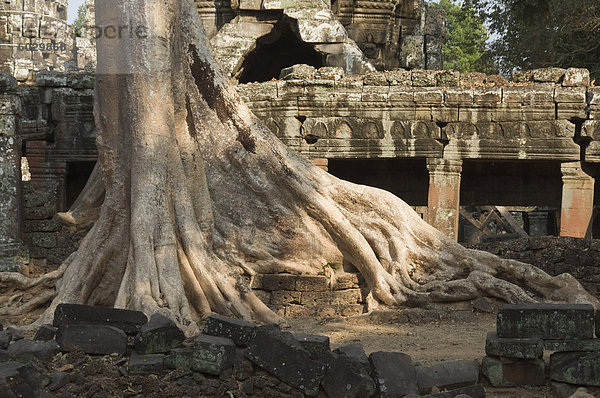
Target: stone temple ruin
{"x":364,"y":96}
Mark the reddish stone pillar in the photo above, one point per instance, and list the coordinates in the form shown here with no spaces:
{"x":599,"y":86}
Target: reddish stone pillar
{"x":444,"y":195}
{"x":577,"y":201}
{"x":322,"y":163}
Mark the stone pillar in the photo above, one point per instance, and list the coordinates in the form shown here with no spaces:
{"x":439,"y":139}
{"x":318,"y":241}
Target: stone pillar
{"x":10,"y":186}
{"x":322,"y":163}
{"x":577,"y":201}
{"x":444,"y":195}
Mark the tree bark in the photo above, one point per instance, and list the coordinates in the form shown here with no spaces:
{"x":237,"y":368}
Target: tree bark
{"x":200,"y":196}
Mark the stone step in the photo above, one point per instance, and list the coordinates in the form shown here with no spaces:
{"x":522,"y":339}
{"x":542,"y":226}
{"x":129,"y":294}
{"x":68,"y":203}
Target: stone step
{"x":513,"y":348}
{"x":76,"y":314}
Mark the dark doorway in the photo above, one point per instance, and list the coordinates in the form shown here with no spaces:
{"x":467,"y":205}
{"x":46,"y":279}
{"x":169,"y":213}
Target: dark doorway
{"x":77,"y":176}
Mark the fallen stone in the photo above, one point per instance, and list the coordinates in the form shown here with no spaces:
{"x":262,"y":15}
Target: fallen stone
{"x":513,"y":348}
{"x":447,"y":375}
{"x":159,"y":335}
{"x":546,"y":321}
{"x":19,"y":380}
{"x":92,"y":339}
{"x":580,"y":368}
{"x":76,"y":314}
{"x":280,"y":354}
{"x":476,"y":391}
{"x":346,"y":377}
{"x":212,"y":354}
{"x":5,"y":339}
{"x":394,"y":374}
{"x":356,"y":352}
{"x":317,"y":346}
{"x":514,"y":372}
{"x":45,"y":332}
{"x":58,"y":380}
{"x":145,"y":364}
{"x":298,"y":71}
{"x":179,"y":358}
{"x":240,"y":332}
{"x":572,"y":345}
{"x":15,"y":334}
{"x":25,"y":350}
{"x":564,"y":390}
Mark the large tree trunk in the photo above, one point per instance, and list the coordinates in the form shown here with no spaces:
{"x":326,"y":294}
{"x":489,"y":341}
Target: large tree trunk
{"x":200,"y":196}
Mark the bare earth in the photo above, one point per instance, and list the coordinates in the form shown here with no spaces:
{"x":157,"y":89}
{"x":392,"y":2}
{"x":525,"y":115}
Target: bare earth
{"x":428,"y":336}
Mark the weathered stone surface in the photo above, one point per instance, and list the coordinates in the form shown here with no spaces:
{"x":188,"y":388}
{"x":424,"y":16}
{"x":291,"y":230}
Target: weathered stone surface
{"x":146,"y":364}
{"x":58,"y":380}
{"x":576,"y":368}
{"x":572,"y":345}
{"x":312,"y":283}
{"x":280,"y":354}
{"x":240,"y":332}
{"x":447,"y":375}
{"x":546,"y":321}
{"x":92,"y":339}
{"x":299,"y":71}
{"x":548,"y":75}
{"x":5,"y":339}
{"x":212,"y":354}
{"x":348,"y":378}
{"x":25,"y":350}
{"x":513,"y":348}
{"x":394,"y":374}
{"x":317,"y":346}
{"x":180,"y":357}
{"x":357,"y":353}
{"x":76,"y":314}
{"x":272,"y":282}
{"x":159,"y":335}
{"x":45,"y":332}
{"x":19,"y":380}
{"x":514,"y":372}
{"x":476,"y":391}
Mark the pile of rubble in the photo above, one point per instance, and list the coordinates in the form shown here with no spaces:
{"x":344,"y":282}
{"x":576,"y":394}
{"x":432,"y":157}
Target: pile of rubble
{"x":230,"y":358}
{"x":515,"y":351}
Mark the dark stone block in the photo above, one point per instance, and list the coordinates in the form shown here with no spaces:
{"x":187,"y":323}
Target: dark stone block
{"x":92,"y":339}
{"x":280,"y":354}
{"x":576,"y":368}
{"x":212,"y":354}
{"x":146,"y":364}
{"x":447,"y":375}
{"x":572,"y":345}
{"x":45,"y":333}
{"x":58,"y":380}
{"x":179,"y":358}
{"x":5,"y":339}
{"x":513,"y":348}
{"x":15,"y":334}
{"x":476,"y":391}
{"x":278,"y":282}
{"x":76,"y":314}
{"x":238,"y":331}
{"x":24,"y":350}
{"x":346,"y":377}
{"x":317,"y":346}
{"x":159,"y":335}
{"x":546,"y":321}
{"x":19,"y":380}
{"x":516,"y":372}
{"x":394,"y":373}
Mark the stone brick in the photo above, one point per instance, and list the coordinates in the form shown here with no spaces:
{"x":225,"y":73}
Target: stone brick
{"x":92,"y":339}
{"x":447,"y":375}
{"x":346,"y":281}
{"x":576,"y":77}
{"x":514,"y":372}
{"x":460,"y":96}
{"x":356,"y":352}
{"x":546,"y":321}
{"x":316,"y":345}
{"x":285,"y":297}
{"x":77,"y":314}
{"x":159,"y":335}
{"x":212,"y":354}
{"x":45,"y":333}
{"x":346,"y":377}
{"x":581,"y":368}
{"x":25,"y":350}
{"x":180,"y":357}
{"x":513,"y":348}
{"x":238,"y":331}
{"x":394,"y":374}
{"x":280,"y":354}
{"x":572,"y":345}
{"x":146,"y":364}
{"x":312,"y":284}
{"x":348,"y":296}
{"x":272,"y":282}
{"x":548,"y":75}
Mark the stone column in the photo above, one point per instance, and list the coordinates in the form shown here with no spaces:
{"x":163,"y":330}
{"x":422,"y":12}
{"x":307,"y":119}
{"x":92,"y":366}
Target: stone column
{"x":577,"y":201}
{"x":444,"y":195}
{"x":322,"y":163}
{"x":10,"y":186}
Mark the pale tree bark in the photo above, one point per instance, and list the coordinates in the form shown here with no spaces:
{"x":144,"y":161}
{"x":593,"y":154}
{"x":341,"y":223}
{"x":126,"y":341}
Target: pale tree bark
{"x":200,"y":197}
